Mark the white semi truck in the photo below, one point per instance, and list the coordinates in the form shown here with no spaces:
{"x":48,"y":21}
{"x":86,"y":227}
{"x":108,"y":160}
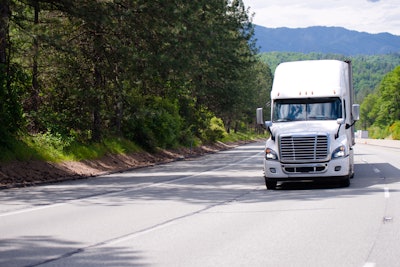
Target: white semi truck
{"x":312,"y":123}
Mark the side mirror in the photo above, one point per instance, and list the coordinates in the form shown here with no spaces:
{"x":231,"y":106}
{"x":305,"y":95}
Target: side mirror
{"x":356,"y":112}
{"x":259,"y":114}
{"x":340,"y":121}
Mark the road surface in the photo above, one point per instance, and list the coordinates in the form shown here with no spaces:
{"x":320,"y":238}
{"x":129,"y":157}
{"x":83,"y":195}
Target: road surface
{"x":208,"y":211}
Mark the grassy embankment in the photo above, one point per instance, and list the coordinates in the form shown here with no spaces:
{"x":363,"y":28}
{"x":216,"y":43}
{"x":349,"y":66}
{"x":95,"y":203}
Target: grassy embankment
{"x":54,"y":148}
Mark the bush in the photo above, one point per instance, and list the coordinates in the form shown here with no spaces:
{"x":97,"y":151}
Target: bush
{"x":215,"y":131}
{"x":378,"y":132}
{"x":12,"y":83}
{"x":381,"y":132}
{"x":154,"y":122}
{"x":395,"y":130}
{"x":16,"y":149}
{"x":49,"y":146}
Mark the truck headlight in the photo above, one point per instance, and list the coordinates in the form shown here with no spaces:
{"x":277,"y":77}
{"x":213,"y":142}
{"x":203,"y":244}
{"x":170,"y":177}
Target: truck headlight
{"x":270,"y":154}
{"x":339,"y":152}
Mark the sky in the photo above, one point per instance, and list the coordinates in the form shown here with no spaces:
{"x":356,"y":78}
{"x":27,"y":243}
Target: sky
{"x":372,"y":16}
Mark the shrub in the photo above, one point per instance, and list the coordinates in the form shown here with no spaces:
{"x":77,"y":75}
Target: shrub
{"x":154,"y":122}
{"x":215,"y":131}
{"x":378,"y":132}
{"x":395,"y":130}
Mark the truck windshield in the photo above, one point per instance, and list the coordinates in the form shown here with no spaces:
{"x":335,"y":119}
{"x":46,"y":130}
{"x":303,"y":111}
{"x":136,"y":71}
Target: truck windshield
{"x":307,"y":109}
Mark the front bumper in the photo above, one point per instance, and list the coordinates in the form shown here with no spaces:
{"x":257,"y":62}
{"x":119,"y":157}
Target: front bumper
{"x":276,"y":170}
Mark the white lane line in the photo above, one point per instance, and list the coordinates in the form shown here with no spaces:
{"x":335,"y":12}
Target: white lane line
{"x":369,"y":264}
{"x":387,"y":193}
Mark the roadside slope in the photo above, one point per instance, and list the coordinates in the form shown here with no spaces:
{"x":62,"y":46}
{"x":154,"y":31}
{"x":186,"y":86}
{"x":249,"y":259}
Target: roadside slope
{"x":28,"y":173}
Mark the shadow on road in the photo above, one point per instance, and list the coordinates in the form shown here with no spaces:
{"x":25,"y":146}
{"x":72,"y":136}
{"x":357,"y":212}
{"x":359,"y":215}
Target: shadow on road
{"x":44,"y":250}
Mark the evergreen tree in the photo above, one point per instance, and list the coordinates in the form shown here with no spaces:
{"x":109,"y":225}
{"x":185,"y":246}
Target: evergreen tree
{"x":152,"y":71}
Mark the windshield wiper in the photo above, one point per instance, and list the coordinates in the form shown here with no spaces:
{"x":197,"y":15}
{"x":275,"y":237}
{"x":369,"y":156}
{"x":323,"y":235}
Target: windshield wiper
{"x":317,"y":118}
{"x":283,"y":120}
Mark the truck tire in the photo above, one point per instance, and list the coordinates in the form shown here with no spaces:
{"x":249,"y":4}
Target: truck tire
{"x":345,"y":182}
{"x":270,"y":184}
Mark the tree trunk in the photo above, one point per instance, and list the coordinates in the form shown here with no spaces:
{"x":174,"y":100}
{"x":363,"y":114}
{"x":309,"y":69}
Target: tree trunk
{"x":35,"y":83}
{"x":119,"y":106}
{"x":98,"y":87}
{"x":96,"y":127}
{"x":4,"y":20}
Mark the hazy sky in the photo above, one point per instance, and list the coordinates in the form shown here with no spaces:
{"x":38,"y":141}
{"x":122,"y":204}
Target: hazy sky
{"x":373,"y":16}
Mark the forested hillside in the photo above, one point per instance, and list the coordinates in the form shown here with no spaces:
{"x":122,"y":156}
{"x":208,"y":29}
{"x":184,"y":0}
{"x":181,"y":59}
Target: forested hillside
{"x":157,"y":73}
{"x":322,"y":39}
{"x":376,"y":82}
{"x":380,"y":111}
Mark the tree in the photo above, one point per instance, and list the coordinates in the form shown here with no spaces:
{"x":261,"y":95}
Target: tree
{"x":133,"y":68}
{"x":4,"y":66}
{"x":368,"y":110}
{"x":4,"y":26}
{"x":389,"y":98}
{"x":12,"y":79}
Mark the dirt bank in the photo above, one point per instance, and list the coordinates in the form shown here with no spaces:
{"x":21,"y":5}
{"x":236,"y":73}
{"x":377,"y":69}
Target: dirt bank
{"x":21,"y":174}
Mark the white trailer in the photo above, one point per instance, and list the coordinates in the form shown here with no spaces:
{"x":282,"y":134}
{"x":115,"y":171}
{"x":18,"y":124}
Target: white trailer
{"x":311,"y":125}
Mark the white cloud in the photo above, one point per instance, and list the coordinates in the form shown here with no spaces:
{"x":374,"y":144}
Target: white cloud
{"x":371,"y":16}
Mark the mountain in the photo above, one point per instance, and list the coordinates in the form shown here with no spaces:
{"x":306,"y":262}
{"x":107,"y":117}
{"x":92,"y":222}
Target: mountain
{"x":335,"y":40}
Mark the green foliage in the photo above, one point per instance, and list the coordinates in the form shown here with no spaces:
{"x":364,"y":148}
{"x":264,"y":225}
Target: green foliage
{"x":154,"y":122}
{"x":381,"y":110}
{"x":378,"y":132}
{"x":16,"y":149}
{"x":215,"y":131}
{"x":389,"y":98}
{"x":114,"y":145}
{"x":13,"y":82}
{"x":54,"y":147}
{"x":45,"y":146}
{"x":368,"y":110}
{"x":395,"y":130}
{"x":48,"y":146}
{"x":243,"y":136}
{"x":152,"y":72}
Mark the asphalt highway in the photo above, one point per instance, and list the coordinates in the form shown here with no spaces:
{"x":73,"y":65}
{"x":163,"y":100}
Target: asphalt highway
{"x":209,"y":211}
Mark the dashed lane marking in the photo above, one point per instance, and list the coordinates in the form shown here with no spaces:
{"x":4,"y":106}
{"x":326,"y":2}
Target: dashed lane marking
{"x":387,"y":192}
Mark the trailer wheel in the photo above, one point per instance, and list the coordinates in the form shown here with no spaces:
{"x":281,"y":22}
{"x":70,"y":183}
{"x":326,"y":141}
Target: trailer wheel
{"x":270,"y":184}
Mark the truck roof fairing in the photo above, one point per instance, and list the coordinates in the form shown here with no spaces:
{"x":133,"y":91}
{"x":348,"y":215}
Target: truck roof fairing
{"x":310,"y":78}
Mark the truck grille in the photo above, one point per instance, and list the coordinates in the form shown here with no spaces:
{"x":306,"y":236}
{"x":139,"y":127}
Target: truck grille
{"x":304,"y":148}
{"x":308,"y":169}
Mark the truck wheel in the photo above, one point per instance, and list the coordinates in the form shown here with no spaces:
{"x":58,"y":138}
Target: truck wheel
{"x":345,"y":182}
{"x":270,"y":184}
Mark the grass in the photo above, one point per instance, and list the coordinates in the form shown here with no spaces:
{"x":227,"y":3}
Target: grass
{"x":56,"y":148}
{"x":240,"y":136}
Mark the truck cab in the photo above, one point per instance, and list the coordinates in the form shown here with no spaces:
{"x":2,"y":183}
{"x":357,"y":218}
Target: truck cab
{"x":312,"y":123}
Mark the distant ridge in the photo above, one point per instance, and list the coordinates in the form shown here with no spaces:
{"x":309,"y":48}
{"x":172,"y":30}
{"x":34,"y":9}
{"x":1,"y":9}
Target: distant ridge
{"x":335,"y":40}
